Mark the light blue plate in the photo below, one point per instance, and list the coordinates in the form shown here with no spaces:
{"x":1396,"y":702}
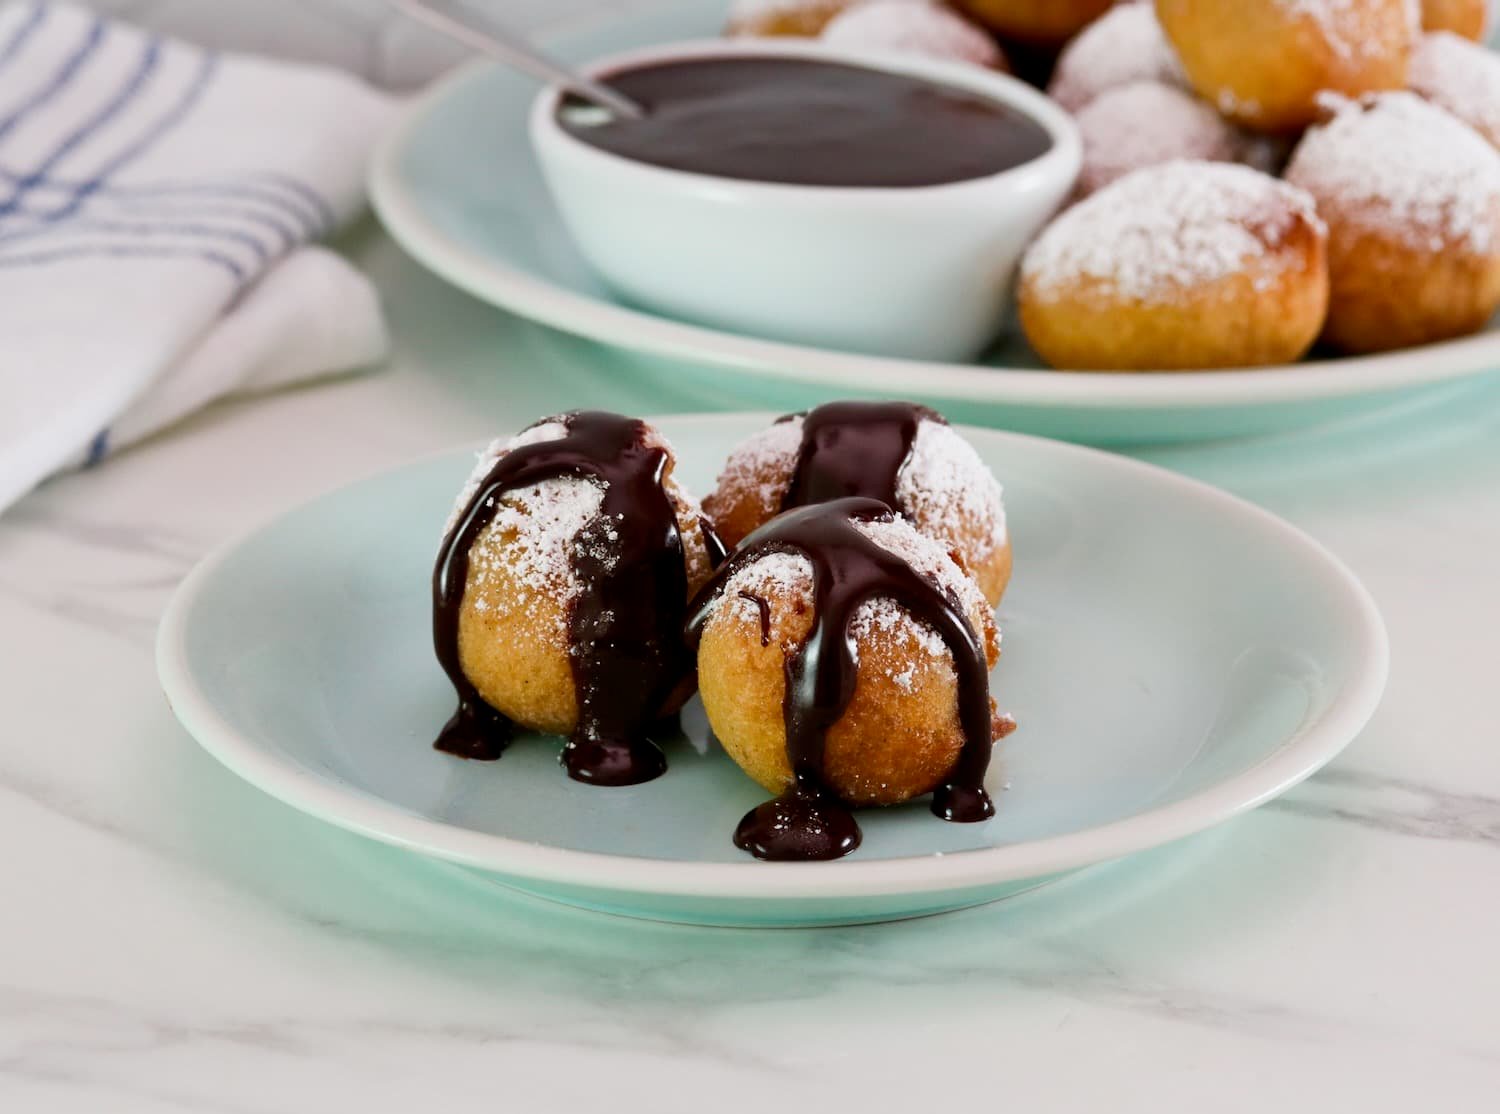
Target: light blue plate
{"x":458,"y":186}
{"x":1174,"y":656}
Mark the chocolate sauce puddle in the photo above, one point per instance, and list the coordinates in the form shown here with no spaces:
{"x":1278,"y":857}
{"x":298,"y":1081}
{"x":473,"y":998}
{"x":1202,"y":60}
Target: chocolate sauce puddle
{"x":854,"y":449}
{"x":625,"y":626}
{"x":808,"y":821}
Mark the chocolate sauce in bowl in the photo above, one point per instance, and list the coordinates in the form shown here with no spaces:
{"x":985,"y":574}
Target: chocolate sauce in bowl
{"x":808,"y":821}
{"x":854,"y":448}
{"x":627,"y":653}
{"x":805,"y":122}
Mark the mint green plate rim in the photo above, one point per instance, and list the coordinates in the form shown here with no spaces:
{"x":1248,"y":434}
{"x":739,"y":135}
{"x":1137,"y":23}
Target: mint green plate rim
{"x":406,"y":212}
{"x":634,"y":880}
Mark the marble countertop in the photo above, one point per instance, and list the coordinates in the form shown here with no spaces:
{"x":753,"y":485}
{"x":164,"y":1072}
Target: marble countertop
{"x":174,"y":940}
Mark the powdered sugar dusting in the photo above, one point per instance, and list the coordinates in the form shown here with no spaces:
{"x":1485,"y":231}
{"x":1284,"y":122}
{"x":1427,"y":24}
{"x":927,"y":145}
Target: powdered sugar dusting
{"x":1346,"y":25}
{"x":1395,"y":164}
{"x":789,"y":574}
{"x":1124,"y":45}
{"x":1147,"y":123}
{"x":949,"y":490}
{"x":1160,"y":230}
{"x":1462,"y":77}
{"x":888,"y":619}
{"x":541,"y":526}
{"x":549,"y":429}
{"x":773,"y":576}
{"x":930,"y":559}
{"x":787,"y":578}
{"x":918,"y":28}
{"x":760,"y":467}
{"x":944,"y":488}
{"x":1230,"y":104}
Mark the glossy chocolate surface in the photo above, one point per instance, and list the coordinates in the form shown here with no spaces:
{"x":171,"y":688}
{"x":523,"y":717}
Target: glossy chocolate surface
{"x":625,"y":642}
{"x":808,"y":821}
{"x":805,"y":122}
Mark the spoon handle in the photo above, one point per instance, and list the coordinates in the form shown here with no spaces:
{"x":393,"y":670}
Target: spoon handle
{"x":504,"y":45}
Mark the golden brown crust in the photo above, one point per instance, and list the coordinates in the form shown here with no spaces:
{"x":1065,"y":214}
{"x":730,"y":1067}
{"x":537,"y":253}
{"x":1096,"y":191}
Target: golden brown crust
{"x":993,"y":574}
{"x":513,"y":633}
{"x":1039,"y":22}
{"x":513,"y":643}
{"x":753,"y":487}
{"x":804,"y":19}
{"x":739,"y":508}
{"x":1270,"y":313}
{"x":1461,"y":78}
{"x":1463,"y":17}
{"x":1264,"y":65}
{"x":1389,"y":294}
{"x":897,"y":739}
{"x":1412,"y":201}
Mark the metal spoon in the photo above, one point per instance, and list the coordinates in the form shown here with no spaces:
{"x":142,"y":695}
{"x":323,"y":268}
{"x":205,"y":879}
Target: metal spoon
{"x":508,"y":47}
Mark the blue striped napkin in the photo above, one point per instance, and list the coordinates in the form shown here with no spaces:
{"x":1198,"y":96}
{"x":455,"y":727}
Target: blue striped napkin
{"x":159,"y":208}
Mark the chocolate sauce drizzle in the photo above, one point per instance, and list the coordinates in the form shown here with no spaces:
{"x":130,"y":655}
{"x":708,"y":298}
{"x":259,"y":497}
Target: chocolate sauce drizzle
{"x":808,"y":821}
{"x":854,"y":449}
{"x":763,"y":613}
{"x":626,"y":647}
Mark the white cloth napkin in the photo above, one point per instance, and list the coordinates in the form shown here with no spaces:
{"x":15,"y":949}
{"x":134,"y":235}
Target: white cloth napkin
{"x":158,"y":207}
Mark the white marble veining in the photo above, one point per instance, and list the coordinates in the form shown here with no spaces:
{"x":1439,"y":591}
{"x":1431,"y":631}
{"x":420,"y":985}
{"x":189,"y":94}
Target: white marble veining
{"x":173,"y":940}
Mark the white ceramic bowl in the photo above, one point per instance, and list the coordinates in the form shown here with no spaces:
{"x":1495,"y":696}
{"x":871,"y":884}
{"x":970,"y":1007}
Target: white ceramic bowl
{"x":921,"y":272}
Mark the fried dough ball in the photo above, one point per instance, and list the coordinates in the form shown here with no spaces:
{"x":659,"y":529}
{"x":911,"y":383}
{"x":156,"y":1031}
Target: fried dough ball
{"x":900,"y":735}
{"x":783,"y":18}
{"x":1147,"y":123}
{"x":1456,"y":75}
{"x":913,"y":27}
{"x":1264,"y":62}
{"x":1039,"y":22}
{"x":1469,"y":18}
{"x":1412,"y":200}
{"x":945,"y":490}
{"x":513,"y":632}
{"x":1122,"y":47}
{"x":1187,"y":265}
